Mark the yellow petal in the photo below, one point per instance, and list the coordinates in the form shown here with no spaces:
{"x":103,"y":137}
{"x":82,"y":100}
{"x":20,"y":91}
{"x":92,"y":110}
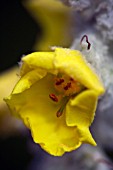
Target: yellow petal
{"x":37,"y":60}
{"x":52,"y":133}
{"x":80,"y":110}
{"x":85,"y":136}
{"x":38,"y":112}
{"x":72,"y":63}
{"x":28,"y":79}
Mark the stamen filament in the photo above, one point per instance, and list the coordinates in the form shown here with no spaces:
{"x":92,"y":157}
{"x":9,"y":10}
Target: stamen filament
{"x":60,"y":111}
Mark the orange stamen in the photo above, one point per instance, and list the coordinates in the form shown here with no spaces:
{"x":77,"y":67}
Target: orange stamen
{"x":59,"y":82}
{"x":67,"y":86}
{"x":71,"y":79}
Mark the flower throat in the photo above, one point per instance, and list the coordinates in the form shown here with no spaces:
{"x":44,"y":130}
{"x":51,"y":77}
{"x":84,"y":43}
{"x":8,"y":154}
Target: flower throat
{"x":66,"y":87}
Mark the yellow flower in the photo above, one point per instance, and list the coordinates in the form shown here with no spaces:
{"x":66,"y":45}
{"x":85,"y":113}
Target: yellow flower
{"x":54,"y":19}
{"x":56,"y":97}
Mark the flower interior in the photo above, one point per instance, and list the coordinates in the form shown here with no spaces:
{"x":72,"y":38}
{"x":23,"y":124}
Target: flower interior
{"x":66,"y":87}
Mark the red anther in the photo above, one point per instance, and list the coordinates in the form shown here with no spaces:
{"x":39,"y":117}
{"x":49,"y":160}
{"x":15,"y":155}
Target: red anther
{"x":71,"y":79}
{"x":89,"y":45}
{"x":59,"y":113}
{"x":67,"y":86}
{"x":53,"y":97}
{"x":60,"y":81}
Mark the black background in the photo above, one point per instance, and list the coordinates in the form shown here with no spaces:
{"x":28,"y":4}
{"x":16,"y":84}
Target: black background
{"x":18,"y":32}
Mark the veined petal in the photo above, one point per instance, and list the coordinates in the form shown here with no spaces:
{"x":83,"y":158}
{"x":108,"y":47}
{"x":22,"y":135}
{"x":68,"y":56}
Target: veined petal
{"x":38,"y":112}
{"x":72,"y":63}
{"x":36,"y":60}
{"x":81,"y":109}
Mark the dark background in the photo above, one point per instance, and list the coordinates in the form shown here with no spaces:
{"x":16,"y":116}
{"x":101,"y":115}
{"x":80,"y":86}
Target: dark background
{"x":18,"y":32}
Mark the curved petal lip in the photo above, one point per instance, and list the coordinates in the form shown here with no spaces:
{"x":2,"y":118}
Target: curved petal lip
{"x":80,"y":110}
{"x":37,"y":60}
{"x":73,"y":63}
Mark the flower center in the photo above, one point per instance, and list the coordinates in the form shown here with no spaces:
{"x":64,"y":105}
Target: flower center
{"x":66,"y":87}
